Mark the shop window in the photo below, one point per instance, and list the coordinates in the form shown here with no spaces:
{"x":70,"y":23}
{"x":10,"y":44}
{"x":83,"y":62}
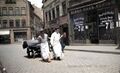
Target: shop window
{"x":11,"y":23}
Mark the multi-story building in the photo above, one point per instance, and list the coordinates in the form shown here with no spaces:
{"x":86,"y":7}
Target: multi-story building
{"x":94,"y":21}
{"x":16,"y":20}
{"x":55,"y":15}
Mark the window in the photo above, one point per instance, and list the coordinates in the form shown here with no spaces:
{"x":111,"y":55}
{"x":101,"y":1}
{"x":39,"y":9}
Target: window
{"x":4,"y":11}
{"x":50,"y":15}
{"x":17,"y":22}
{"x":0,"y":12}
{"x":53,"y":13}
{"x":10,"y":10}
{"x":17,"y":11}
{"x":4,"y":24}
{"x":0,"y":24}
{"x":57,"y":11}
{"x":10,"y":1}
{"x":23,"y":22}
{"x":46,"y":16}
{"x":11,"y":23}
{"x":23,"y":11}
{"x":64,"y":8}
{"x":44,"y":1}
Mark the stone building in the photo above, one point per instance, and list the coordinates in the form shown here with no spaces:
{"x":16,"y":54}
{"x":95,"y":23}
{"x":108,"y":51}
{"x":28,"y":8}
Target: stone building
{"x":55,"y":15}
{"x":16,"y":20}
{"x":94,"y":21}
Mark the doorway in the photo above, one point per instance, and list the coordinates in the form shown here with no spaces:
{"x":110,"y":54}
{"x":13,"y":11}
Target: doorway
{"x":92,"y":23}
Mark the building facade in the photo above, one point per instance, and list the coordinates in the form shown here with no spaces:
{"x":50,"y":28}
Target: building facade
{"x":55,"y":15}
{"x":94,"y":21}
{"x":16,"y":20}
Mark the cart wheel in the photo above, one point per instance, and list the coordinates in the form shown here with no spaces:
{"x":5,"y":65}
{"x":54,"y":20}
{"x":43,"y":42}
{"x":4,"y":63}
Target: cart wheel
{"x":29,"y":53}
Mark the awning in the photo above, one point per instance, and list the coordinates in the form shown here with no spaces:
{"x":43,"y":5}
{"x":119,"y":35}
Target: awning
{"x":4,"y":32}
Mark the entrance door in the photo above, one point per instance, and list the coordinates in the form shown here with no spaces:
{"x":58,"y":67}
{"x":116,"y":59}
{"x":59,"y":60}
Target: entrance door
{"x":92,"y":23}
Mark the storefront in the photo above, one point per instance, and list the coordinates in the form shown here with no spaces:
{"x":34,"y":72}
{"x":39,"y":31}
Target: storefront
{"x":93,"y":21}
{"x":4,"y":36}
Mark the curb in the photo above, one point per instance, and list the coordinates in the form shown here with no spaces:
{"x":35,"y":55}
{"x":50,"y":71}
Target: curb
{"x":106,"y":52}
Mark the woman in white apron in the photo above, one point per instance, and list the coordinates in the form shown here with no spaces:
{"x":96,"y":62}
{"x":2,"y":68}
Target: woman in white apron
{"x":55,"y":42}
{"x":45,"y":53}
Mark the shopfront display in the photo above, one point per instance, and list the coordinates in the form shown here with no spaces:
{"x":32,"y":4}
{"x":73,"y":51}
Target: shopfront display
{"x":95,"y":22}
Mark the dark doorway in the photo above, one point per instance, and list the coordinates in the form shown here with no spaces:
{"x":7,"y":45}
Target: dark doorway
{"x":65,"y":29}
{"x":92,"y":22}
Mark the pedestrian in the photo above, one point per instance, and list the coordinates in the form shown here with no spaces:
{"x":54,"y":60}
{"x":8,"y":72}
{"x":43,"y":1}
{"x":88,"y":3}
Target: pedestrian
{"x":45,"y":53}
{"x":63,"y":41}
{"x":55,"y":42}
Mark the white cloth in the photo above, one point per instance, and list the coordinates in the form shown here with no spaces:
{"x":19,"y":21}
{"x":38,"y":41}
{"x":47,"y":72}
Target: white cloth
{"x":44,"y":47}
{"x":55,"y":42}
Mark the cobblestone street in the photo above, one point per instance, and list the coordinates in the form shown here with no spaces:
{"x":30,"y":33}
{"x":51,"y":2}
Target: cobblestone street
{"x":14,"y":59}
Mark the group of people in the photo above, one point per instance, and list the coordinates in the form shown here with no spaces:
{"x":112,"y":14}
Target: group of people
{"x":56,"y":41}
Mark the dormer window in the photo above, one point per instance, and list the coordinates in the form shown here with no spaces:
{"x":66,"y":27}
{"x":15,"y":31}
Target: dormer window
{"x":10,"y":1}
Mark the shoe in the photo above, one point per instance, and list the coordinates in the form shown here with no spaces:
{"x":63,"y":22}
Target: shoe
{"x":54,"y":58}
{"x":58,"y":58}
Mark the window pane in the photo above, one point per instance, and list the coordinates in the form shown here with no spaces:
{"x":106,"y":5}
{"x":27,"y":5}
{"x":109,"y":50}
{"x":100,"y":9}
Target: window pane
{"x":10,"y":11}
{"x":49,"y":15}
{"x":4,"y":23}
{"x":46,"y":16}
{"x":53,"y":13}
{"x":0,"y":12}
{"x":17,"y":23}
{"x":58,"y":11}
{"x":17,"y":11}
{"x":11,"y":23}
{"x":10,"y":1}
{"x":0,"y":24}
{"x":4,"y":11}
{"x":64,"y":8}
{"x":23,"y":22}
{"x":23,"y":11}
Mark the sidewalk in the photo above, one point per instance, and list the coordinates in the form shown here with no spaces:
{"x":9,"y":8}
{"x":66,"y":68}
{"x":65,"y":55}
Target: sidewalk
{"x":95,"y":48}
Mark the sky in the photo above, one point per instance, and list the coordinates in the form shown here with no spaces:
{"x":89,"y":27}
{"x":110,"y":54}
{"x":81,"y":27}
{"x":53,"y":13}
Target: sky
{"x":37,"y":3}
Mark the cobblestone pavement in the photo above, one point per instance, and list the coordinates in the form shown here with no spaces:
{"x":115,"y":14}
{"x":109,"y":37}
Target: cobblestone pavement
{"x":13,"y":58}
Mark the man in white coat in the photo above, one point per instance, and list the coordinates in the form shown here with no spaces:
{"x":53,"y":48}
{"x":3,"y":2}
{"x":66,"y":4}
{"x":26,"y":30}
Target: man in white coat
{"x":55,"y":42}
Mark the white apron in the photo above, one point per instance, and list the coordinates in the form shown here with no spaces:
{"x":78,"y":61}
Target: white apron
{"x":55,"y":41}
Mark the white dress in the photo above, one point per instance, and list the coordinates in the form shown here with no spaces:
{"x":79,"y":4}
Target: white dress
{"x":44,"y":47}
{"x":55,"y":42}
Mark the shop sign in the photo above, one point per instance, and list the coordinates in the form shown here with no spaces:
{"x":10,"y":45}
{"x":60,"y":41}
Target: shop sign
{"x":78,"y":22}
{"x":107,"y":19}
{"x":89,"y":7}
